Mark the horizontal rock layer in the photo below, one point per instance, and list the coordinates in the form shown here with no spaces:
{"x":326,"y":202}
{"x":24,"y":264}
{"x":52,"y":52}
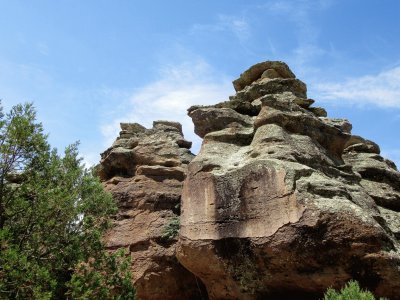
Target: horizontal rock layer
{"x":283,"y":202}
{"x":144,"y":170}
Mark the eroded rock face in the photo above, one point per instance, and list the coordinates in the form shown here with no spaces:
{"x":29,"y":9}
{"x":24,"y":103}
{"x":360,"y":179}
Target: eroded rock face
{"x":283,"y":202}
{"x":144,"y":170}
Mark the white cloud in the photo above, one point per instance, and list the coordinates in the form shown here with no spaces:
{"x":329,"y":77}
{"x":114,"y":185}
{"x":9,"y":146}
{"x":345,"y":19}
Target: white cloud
{"x":299,"y":15}
{"x":169,"y":97}
{"x":234,"y":24}
{"x":382,"y":90}
{"x":89,"y":158}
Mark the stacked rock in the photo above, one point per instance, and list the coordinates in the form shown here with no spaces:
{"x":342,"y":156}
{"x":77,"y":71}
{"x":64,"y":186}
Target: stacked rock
{"x":144,"y":170}
{"x":283,"y":202}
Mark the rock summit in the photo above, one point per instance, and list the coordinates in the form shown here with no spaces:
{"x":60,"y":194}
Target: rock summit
{"x":281,"y":202}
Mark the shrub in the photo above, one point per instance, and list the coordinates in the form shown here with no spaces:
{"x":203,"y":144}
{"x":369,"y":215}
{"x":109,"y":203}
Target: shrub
{"x":105,"y":277}
{"x":351,"y":291}
{"x":171,"y":230}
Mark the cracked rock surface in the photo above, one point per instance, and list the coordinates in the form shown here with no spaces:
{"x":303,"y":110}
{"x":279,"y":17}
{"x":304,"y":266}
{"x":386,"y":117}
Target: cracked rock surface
{"x":283,"y":202}
{"x":144,"y":170}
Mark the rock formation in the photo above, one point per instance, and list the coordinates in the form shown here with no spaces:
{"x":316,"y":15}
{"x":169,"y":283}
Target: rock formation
{"x":144,"y":170}
{"x":281,"y":202}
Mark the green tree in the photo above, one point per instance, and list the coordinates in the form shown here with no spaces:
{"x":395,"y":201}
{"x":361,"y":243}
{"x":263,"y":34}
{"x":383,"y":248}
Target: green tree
{"x":351,"y":291}
{"x":53,"y":213}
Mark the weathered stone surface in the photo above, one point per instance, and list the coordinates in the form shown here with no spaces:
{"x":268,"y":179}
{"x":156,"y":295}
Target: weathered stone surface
{"x":358,"y":144}
{"x":132,"y":127}
{"x":207,"y":120}
{"x":304,"y":103}
{"x":342,"y":124}
{"x":162,"y":172}
{"x":287,"y":203}
{"x":267,"y":69}
{"x":318,"y":111}
{"x":332,"y":138}
{"x":380,"y":178}
{"x":168,"y":126}
{"x":270,"y":73}
{"x":144,"y":171}
{"x":163,"y":145}
{"x":271,"y":86}
{"x":282,"y":202}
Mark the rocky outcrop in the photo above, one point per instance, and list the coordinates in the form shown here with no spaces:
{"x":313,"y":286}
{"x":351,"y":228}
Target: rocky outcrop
{"x":283,"y":202}
{"x":144,"y":170}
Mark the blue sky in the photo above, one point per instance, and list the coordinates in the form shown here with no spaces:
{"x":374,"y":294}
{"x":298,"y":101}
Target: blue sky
{"x":88,"y":65}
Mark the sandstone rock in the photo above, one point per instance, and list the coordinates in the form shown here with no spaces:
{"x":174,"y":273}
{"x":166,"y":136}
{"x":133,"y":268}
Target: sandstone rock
{"x":168,"y":126}
{"x":144,"y":171}
{"x":342,"y":124}
{"x":162,"y":172}
{"x":235,"y":134}
{"x":287,"y":203}
{"x":207,"y":120}
{"x":182,"y":143}
{"x":272,"y":69}
{"x":372,"y":166}
{"x":245,"y":108}
{"x":318,"y":111}
{"x":304,"y":103}
{"x":270,"y":73}
{"x":132,"y":127}
{"x":358,"y":144}
{"x":286,"y":146}
{"x":332,"y":138}
{"x":281,"y":202}
{"x":137,"y":145}
{"x":380,"y":178}
{"x":271,"y":86}
{"x":392,"y":219}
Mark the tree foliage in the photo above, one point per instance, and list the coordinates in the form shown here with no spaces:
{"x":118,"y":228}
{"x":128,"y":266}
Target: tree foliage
{"x":53,"y":213}
{"x":102,"y":279}
{"x":171,"y":230}
{"x":350,"y":291}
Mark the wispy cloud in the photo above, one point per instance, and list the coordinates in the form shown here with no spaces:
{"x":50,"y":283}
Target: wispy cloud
{"x":382,"y":90}
{"x":238,"y":26}
{"x":169,"y":97}
{"x":299,"y":14}
{"x":42,"y":48}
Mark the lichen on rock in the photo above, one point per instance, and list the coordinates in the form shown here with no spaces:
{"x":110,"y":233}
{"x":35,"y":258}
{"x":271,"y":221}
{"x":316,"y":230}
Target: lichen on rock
{"x":282,"y":202}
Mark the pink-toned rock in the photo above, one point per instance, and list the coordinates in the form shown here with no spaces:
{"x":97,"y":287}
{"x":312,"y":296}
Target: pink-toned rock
{"x":144,"y":171}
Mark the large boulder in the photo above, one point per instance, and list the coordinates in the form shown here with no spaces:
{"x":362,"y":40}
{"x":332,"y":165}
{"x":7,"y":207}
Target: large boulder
{"x":144,"y":170}
{"x":266,"y":69}
{"x":282,"y":202}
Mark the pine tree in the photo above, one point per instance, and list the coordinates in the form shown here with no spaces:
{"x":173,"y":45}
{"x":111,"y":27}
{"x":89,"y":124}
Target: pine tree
{"x":53,"y":213}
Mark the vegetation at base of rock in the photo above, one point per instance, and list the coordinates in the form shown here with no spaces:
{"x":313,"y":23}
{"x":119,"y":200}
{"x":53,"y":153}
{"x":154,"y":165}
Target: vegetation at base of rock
{"x":53,"y":213}
{"x":104,"y":278}
{"x":171,"y":230}
{"x":350,"y":291}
